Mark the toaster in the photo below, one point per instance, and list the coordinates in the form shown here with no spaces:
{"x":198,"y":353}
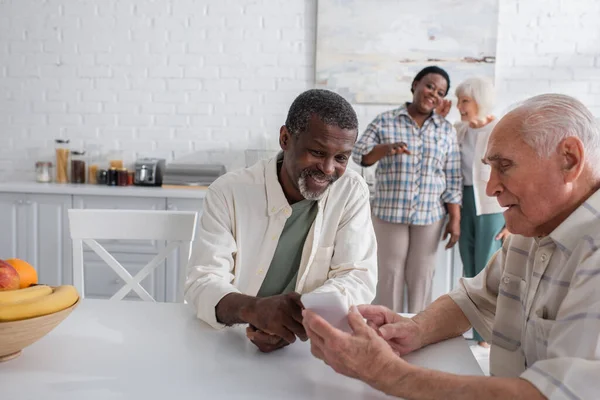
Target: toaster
{"x":149,"y":171}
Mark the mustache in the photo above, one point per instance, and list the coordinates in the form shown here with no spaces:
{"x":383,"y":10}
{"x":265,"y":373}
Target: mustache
{"x":318,"y":175}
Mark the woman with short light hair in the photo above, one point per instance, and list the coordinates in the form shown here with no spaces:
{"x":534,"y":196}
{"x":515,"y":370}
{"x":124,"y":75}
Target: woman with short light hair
{"x":482,"y":223}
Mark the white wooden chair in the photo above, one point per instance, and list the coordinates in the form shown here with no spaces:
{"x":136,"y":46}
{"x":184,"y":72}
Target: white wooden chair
{"x":177,"y":228}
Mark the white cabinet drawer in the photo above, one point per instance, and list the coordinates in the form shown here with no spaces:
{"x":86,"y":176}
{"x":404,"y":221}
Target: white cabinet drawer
{"x":123,"y":203}
{"x":102,"y":282}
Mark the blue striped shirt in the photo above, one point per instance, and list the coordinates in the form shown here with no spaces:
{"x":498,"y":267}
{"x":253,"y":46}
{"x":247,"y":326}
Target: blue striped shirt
{"x":412,"y":189}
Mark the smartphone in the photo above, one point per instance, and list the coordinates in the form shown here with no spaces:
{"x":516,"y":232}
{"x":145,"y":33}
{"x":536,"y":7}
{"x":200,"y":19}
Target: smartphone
{"x":331,"y":306}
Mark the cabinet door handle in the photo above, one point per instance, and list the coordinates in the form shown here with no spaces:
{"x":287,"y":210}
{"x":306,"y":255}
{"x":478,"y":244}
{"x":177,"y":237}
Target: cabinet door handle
{"x":28,"y":202}
{"x":117,"y":281}
{"x":19,"y":202}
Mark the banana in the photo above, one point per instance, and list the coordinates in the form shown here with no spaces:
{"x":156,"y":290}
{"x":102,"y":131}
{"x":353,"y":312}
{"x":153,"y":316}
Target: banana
{"x":61,"y":297}
{"x":16,"y":296}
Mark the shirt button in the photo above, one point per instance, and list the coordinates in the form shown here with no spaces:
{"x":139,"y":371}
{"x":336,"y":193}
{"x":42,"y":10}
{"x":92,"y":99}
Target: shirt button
{"x":274,"y":238}
{"x":273,"y":209}
{"x":260,"y":271}
{"x":506,"y":280}
{"x":543,"y":257}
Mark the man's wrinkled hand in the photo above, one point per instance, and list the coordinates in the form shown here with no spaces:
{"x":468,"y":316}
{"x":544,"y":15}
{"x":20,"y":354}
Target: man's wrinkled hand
{"x":402,"y":334}
{"x":363,"y":354}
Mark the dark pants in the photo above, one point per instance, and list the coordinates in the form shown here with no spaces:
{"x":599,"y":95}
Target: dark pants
{"x":477,"y":243}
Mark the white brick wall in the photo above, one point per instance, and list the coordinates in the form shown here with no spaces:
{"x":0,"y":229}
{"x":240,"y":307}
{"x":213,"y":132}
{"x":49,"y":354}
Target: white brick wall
{"x":169,"y":77}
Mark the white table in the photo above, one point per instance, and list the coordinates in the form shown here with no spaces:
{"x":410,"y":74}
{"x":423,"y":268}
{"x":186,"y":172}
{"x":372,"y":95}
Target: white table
{"x":134,"y":350}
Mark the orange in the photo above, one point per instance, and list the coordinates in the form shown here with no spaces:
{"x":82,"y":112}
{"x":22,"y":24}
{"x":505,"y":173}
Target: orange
{"x":27,"y":273}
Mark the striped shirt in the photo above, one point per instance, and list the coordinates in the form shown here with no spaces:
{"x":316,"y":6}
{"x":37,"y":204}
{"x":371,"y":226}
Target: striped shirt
{"x":538,"y":302}
{"x":412,"y":189}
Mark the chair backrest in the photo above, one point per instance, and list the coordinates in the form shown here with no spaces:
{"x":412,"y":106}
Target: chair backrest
{"x":176,"y":228}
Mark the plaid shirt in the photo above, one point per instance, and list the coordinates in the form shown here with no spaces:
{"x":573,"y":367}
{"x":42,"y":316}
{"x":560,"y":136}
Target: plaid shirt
{"x":412,"y":189}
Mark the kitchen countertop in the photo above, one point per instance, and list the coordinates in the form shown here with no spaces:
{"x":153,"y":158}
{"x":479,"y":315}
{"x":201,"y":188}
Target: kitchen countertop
{"x":101,"y":190}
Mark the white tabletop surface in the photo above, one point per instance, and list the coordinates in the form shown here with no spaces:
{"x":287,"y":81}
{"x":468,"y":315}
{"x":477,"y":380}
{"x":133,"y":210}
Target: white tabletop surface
{"x":133,"y":350}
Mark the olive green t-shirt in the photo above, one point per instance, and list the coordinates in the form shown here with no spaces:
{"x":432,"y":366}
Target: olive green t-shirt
{"x":283,"y":271}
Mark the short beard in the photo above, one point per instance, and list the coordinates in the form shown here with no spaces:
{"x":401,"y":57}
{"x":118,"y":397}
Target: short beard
{"x":307,"y":194}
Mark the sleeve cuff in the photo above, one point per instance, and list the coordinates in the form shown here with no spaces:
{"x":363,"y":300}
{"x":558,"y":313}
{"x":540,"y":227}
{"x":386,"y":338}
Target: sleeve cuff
{"x":548,"y":385}
{"x":460,"y":297}
{"x":205,"y":304}
{"x":450,"y":198}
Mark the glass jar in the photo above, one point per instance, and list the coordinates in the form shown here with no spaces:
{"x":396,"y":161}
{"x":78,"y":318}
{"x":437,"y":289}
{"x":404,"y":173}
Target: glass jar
{"x":130,"y":178}
{"x":112,"y":177}
{"x":43,"y":171}
{"x":93,"y":152}
{"x":93,"y":174}
{"x":122,"y":177}
{"x":78,"y":170}
{"x":62,"y":160}
{"x":102,"y":177}
{"x":115,"y":159}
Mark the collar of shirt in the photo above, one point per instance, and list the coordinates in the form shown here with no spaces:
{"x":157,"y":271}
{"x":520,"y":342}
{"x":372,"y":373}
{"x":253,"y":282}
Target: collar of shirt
{"x":276,"y":200}
{"x":434,"y":117}
{"x":580,"y":224}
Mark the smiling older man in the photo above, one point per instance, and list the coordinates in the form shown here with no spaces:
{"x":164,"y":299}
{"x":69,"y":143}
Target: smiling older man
{"x":294,"y":224}
{"x":538,"y":299}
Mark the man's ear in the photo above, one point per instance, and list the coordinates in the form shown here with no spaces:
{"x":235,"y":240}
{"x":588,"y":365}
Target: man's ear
{"x":284,"y":138}
{"x":572,"y":157}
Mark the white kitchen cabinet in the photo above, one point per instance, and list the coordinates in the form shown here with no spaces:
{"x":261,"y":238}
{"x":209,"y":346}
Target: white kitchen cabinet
{"x":35,"y":230}
{"x":13,"y":222}
{"x":49,"y":242}
{"x":34,"y":218}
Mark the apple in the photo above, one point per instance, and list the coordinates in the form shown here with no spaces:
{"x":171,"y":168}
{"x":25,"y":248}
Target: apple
{"x":9,"y":277}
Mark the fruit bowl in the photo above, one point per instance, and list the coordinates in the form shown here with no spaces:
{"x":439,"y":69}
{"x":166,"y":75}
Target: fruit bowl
{"x":16,"y":335}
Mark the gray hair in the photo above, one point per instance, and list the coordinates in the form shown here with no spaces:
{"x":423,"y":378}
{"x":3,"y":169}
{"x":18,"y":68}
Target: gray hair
{"x":482,"y":91}
{"x":330,"y":107}
{"x":551,"y":118}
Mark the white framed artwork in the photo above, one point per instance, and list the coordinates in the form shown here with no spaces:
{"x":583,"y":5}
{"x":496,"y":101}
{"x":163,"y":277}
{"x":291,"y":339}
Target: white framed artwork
{"x":370,"y":50}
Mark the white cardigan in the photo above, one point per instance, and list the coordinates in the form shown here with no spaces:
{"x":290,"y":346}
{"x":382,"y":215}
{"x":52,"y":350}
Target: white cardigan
{"x":481,"y":172}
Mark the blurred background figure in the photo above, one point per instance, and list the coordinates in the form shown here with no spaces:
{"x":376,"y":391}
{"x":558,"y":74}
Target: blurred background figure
{"x":482,"y":223}
{"x":418,"y":182}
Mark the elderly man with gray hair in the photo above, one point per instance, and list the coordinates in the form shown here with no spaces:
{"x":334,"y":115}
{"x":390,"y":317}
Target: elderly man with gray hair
{"x":537,"y":301}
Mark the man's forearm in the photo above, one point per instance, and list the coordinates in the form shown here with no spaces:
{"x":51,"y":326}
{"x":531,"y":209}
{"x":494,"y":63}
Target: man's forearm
{"x":442,"y":320}
{"x":423,"y":384}
{"x":233,"y":308}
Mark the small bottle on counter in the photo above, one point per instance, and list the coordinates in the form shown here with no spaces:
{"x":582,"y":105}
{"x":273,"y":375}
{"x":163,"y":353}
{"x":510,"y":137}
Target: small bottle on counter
{"x":130,"y":178}
{"x":43,"y":171}
{"x":78,"y":171}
